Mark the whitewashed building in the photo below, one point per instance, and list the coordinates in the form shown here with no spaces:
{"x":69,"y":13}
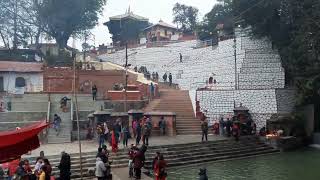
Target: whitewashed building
{"x":21,"y":77}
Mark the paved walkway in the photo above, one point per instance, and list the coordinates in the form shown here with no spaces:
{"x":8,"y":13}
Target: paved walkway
{"x":122,"y":174}
{"x":91,"y":146}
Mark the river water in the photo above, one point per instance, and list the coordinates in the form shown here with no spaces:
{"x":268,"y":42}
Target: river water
{"x":297,"y":165}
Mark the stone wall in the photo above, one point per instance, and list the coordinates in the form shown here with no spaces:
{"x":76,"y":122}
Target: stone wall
{"x":11,"y":120}
{"x":261,"y":103}
{"x":285,"y":100}
{"x":118,"y":106}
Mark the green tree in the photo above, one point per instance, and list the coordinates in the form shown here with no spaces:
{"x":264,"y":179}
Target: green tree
{"x":63,"y":18}
{"x":293,"y":27}
{"x":221,"y":13}
{"x":19,"y":23}
{"x":186,"y":17}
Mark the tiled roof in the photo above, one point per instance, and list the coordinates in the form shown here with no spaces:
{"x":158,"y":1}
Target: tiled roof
{"x":13,"y":66}
{"x":128,"y":15}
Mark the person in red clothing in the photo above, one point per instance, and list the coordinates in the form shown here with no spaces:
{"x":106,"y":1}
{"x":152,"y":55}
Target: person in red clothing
{"x":27,"y":169}
{"x":13,"y":165}
{"x":27,"y":166}
{"x":114,"y":141}
{"x":236,"y":131}
{"x":160,"y":168}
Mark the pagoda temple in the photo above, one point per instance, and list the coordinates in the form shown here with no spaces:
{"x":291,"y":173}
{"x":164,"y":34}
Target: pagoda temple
{"x":126,"y":28}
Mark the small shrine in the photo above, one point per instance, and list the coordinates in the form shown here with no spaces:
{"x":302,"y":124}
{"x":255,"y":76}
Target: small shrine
{"x":243,"y":117}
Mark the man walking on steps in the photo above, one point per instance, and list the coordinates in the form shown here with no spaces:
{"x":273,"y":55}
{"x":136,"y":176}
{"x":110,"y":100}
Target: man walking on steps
{"x":170,"y":79}
{"x":56,"y":123}
{"x":204,"y":128}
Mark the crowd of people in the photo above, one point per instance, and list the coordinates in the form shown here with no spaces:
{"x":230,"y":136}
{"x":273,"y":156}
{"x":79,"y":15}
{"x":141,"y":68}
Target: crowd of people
{"x":113,"y":134}
{"x":21,"y":169}
{"x":142,"y":130}
{"x":228,"y":127}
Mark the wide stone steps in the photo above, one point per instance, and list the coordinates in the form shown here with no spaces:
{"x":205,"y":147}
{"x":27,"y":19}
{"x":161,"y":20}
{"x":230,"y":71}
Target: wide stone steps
{"x":175,"y":155}
{"x":179,"y":102}
{"x":64,"y":135}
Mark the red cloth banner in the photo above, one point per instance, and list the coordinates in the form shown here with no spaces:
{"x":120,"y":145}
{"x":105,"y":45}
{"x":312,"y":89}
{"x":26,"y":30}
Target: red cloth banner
{"x":15,"y":143}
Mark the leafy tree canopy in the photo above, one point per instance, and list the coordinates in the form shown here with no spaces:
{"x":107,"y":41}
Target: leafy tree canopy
{"x":221,"y":13}
{"x":186,"y":17}
{"x":293,"y":27}
{"x":63,"y":18}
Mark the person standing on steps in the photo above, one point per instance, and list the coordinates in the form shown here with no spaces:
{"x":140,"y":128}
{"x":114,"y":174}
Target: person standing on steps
{"x":138,"y":161}
{"x":236,"y":130}
{"x":125,"y":136}
{"x":64,"y":166}
{"x":133,"y":149}
{"x":151,"y":90}
{"x":170,"y":79}
{"x":101,"y":136}
{"x":204,"y":129}
{"x":117,"y":129}
{"x":94,"y":91}
{"x":164,"y":77}
{"x":180,"y":57}
{"x":228,"y":127}
{"x":221,"y":126}
{"x":138,"y":133}
{"x":155,"y":159}
{"x":146,"y":131}
{"x":157,"y":77}
{"x":162,"y":126}
{"x":100,"y":169}
{"x":56,"y":123}
{"x":160,"y":168}
{"x":134,"y":126}
{"x":114,"y":141}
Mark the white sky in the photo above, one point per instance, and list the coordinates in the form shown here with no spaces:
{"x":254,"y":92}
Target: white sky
{"x":152,"y":9}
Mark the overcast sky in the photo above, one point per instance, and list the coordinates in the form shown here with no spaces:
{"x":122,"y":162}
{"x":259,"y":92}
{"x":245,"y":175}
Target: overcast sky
{"x":152,"y":9}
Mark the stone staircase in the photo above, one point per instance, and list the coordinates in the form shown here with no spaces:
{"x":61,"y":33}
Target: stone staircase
{"x":175,"y":155}
{"x":177,"y":101}
{"x":64,"y":135}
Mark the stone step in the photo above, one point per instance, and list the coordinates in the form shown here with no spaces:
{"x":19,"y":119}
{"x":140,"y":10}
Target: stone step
{"x":171,"y":157}
{"x":183,"y":154}
{"x":207,"y":154}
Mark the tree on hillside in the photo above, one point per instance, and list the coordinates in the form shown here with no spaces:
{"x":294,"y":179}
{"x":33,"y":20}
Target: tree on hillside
{"x":186,"y":17}
{"x":221,"y":13}
{"x":293,"y":27}
{"x":19,"y":22}
{"x":63,"y":18}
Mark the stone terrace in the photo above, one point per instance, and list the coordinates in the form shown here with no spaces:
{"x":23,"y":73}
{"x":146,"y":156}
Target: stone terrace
{"x":259,"y":73}
{"x":258,"y":66}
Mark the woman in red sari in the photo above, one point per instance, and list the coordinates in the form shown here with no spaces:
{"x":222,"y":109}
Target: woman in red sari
{"x":114,"y":142}
{"x":160,"y":168}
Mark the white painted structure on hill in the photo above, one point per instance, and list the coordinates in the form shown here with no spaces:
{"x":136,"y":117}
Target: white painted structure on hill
{"x":20,"y":77}
{"x":258,"y":74}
